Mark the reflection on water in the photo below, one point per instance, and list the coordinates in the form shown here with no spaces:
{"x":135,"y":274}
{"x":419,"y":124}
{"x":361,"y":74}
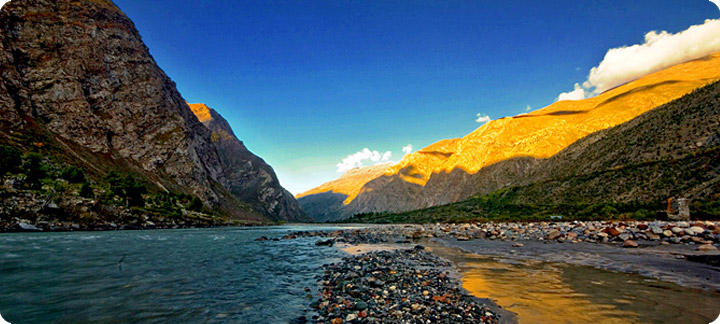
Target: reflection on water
{"x":541,"y":292}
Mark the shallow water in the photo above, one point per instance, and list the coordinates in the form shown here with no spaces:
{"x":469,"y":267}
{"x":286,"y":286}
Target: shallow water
{"x":546,"y":292}
{"x":171,"y":276}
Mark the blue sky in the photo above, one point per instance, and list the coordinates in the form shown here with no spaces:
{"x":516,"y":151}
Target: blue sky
{"x":306,"y":83}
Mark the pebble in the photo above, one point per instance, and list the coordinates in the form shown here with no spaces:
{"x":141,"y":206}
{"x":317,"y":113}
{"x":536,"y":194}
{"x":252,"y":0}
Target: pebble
{"x":706,"y":248}
{"x":630,"y":244}
{"x":421,"y":292}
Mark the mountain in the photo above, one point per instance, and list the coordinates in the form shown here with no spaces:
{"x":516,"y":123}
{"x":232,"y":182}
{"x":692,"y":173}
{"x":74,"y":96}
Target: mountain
{"x":452,"y":170}
{"x":79,"y":87}
{"x":630,"y":169}
{"x":248,"y":176}
{"x":327,"y":201}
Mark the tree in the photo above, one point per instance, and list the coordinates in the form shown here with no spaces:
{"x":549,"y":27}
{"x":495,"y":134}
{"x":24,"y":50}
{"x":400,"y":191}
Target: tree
{"x":133,"y":191}
{"x":34,"y":169}
{"x":127,"y":187}
{"x":73,"y":174}
{"x":86,"y":191}
{"x":10,"y":159}
{"x":196,"y":204}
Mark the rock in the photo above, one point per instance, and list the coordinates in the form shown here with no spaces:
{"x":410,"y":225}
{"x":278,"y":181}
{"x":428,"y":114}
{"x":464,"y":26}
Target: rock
{"x":683,"y":224}
{"x":653,"y":237}
{"x":613,"y":231}
{"x":261,"y":238}
{"x":553,"y":235}
{"x":329,"y":242}
{"x":706,"y":248}
{"x":630,"y":244}
{"x":463,"y":238}
{"x":350,"y":317}
{"x":656,"y":230}
{"x":361,"y":305}
{"x":624,"y":236}
{"x":667,"y":233}
{"x":688,"y":231}
{"x":27,"y":227}
{"x":697,"y":230}
{"x":518,"y":245}
{"x":337,"y":320}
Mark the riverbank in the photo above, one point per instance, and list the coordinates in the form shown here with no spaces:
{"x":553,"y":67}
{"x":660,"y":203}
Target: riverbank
{"x":400,"y":286}
{"x":685,"y":254}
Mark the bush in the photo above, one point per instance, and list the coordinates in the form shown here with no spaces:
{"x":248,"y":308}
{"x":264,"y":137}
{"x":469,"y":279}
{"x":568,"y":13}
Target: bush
{"x":86,"y":191}
{"x":34,"y":169}
{"x":10,"y":159}
{"x":73,"y":174}
{"x":127,"y":187}
{"x":196,"y":204}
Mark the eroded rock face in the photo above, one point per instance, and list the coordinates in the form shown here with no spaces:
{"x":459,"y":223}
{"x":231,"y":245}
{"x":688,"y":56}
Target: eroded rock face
{"x":80,"y":70}
{"x":248,"y":176}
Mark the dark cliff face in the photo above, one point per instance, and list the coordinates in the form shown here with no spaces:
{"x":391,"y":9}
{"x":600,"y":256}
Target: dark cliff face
{"x":79,"y":71}
{"x":248,"y":176}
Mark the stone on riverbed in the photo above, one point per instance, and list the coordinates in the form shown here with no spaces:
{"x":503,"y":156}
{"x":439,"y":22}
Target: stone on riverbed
{"x":706,"y":248}
{"x":630,"y":244}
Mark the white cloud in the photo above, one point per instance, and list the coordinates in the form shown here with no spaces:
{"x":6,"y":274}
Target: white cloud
{"x":659,"y":51}
{"x":386,"y":156}
{"x":356,"y":159}
{"x":482,"y":118}
{"x":3,"y":2}
{"x":528,"y":108}
{"x":407,"y":149}
{"x":577,"y":94}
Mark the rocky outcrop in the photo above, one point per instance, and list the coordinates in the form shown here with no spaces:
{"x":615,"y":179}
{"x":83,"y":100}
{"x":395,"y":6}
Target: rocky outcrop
{"x":79,"y":74}
{"x":248,"y":176}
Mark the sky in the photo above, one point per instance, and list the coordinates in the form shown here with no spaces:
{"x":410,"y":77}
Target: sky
{"x":317,"y":87}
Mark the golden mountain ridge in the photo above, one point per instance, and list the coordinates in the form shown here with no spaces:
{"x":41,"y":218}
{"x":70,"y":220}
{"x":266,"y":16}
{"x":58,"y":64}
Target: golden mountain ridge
{"x":351,"y":182}
{"x":201,"y":111}
{"x":539,"y":134}
{"x":545,"y":132}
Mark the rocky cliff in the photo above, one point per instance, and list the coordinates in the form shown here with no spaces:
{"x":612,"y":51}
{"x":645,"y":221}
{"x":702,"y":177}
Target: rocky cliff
{"x":248,"y":176}
{"x":77,"y":80}
{"x":504,"y":152}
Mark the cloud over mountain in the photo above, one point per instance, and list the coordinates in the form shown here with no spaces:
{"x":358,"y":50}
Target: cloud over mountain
{"x":659,"y":51}
{"x":482,"y":118}
{"x":357,"y":159}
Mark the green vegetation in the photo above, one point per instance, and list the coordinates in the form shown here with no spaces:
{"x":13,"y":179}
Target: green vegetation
{"x":127,"y":187}
{"x":10,"y":159}
{"x":73,"y":174}
{"x":34,"y":169}
{"x":43,"y":173}
{"x":500,"y":206}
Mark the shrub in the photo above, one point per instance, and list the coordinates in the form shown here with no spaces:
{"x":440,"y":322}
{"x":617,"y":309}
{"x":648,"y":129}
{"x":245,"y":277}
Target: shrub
{"x":195,"y":204}
{"x":10,"y":159}
{"x":127,"y":187}
{"x":86,"y":191}
{"x":73,"y":174}
{"x":34,"y":169}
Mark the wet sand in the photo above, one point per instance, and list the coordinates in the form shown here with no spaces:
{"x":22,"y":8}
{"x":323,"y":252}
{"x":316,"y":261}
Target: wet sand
{"x":662,"y":262}
{"x":551,"y":292}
